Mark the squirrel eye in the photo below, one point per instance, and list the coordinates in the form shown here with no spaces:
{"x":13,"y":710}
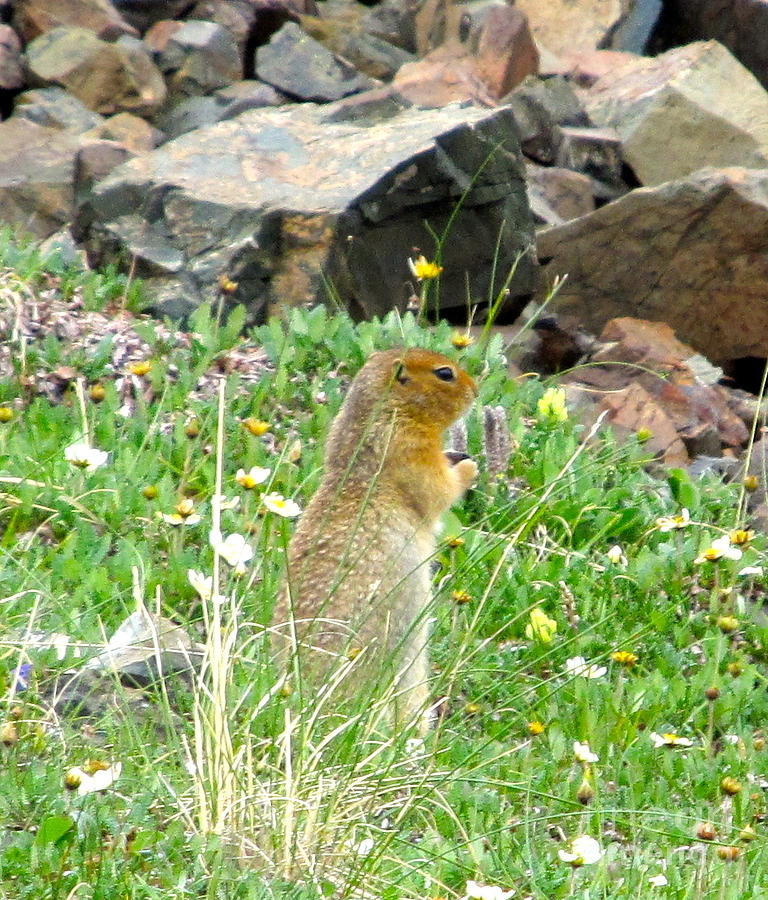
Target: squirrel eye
{"x":445,"y":373}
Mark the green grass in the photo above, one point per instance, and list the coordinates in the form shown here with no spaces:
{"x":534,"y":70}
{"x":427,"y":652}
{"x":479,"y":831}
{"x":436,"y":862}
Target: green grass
{"x":245,"y":792}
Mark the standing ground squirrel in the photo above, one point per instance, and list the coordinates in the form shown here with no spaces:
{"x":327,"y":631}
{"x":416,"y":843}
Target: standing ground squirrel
{"x":358,"y":580}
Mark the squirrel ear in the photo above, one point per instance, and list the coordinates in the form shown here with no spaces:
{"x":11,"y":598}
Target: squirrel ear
{"x":398,"y":372}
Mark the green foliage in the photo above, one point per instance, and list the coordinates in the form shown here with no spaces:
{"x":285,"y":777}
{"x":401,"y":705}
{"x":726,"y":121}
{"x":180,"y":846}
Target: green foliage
{"x":484,"y":798}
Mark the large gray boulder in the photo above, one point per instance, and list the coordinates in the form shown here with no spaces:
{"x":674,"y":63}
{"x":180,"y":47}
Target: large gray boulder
{"x":692,"y":253}
{"x":288,"y":203}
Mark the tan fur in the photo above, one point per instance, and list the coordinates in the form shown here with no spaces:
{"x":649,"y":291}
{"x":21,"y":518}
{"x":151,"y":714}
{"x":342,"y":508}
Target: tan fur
{"x":358,"y":577}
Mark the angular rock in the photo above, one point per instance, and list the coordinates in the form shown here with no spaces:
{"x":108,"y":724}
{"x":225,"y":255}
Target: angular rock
{"x":196,"y":112}
{"x":565,"y":193}
{"x":741,"y":25}
{"x":95,"y":160}
{"x":34,"y":17}
{"x":198,"y":58}
{"x":132,"y":132}
{"x":444,"y":76}
{"x":187,"y":115}
{"x":284,"y":202}
{"x":594,"y":151}
{"x":11,"y":67}
{"x":247,"y":94}
{"x":563,"y":26}
{"x":302,"y":68}
{"x":142,"y":14}
{"x":503,"y":46}
{"x":377,"y":105}
{"x":585,"y":67}
{"x":689,"y":252}
{"x":691,"y":107}
{"x":37,"y":173}
{"x":540,"y":108}
{"x":395,"y":22}
{"x":107,"y":78}
{"x":632,"y":410}
{"x":635,"y":28}
{"x":494,"y":34}
{"x":640,"y":354}
{"x":236,"y":16}
{"x":55,"y":108}
{"x":368,"y":53}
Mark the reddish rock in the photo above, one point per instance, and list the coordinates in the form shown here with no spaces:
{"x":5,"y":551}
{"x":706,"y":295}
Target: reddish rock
{"x":446,"y":75}
{"x":34,"y":17}
{"x":640,"y":354}
{"x":504,"y":49}
{"x":691,"y":253}
{"x":11,"y":66}
{"x":495,"y":35}
{"x":633,"y":409}
{"x":587,"y":66}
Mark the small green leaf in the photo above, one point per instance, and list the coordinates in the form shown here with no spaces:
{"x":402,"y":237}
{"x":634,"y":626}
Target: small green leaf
{"x":53,"y":829}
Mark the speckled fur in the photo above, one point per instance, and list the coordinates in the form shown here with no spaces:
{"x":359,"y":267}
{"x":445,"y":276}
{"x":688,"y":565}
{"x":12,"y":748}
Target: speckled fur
{"x":359,"y":563}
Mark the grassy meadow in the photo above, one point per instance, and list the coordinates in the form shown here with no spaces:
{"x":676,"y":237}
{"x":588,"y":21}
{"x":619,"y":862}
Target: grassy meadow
{"x":599,"y":646}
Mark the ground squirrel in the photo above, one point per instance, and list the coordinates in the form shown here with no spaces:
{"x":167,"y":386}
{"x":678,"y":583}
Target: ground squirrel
{"x":358,"y":578}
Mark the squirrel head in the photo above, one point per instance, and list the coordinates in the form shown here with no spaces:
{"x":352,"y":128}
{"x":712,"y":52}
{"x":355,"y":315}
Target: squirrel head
{"x":424,"y":387}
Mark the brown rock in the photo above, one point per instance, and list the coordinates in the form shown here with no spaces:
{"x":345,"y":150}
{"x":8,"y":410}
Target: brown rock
{"x":504,"y":49}
{"x":689,"y":252}
{"x":496,"y":35}
{"x":11,"y":67}
{"x":633,"y":409}
{"x":648,"y":353}
{"x":34,"y":17}
{"x":588,"y":66}
{"x":107,"y":78}
{"x":691,"y":107}
{"x":564,"y":26}
{"x":437,"y":22}
{"x":131,"y":132}
{"x":37,"y":169}
{"x":95,"y":160}
{"x":446,"y":75}
{"x":566,"y":192}
{"x":158,"y":35}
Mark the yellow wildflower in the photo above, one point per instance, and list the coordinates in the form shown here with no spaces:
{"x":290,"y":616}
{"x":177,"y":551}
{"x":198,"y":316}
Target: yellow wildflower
{"x":422,"y":269}
{"x":541,"y":628}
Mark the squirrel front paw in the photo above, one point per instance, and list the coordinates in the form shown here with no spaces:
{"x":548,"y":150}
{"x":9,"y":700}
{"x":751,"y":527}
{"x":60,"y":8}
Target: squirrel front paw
{"x":466,"y":472}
